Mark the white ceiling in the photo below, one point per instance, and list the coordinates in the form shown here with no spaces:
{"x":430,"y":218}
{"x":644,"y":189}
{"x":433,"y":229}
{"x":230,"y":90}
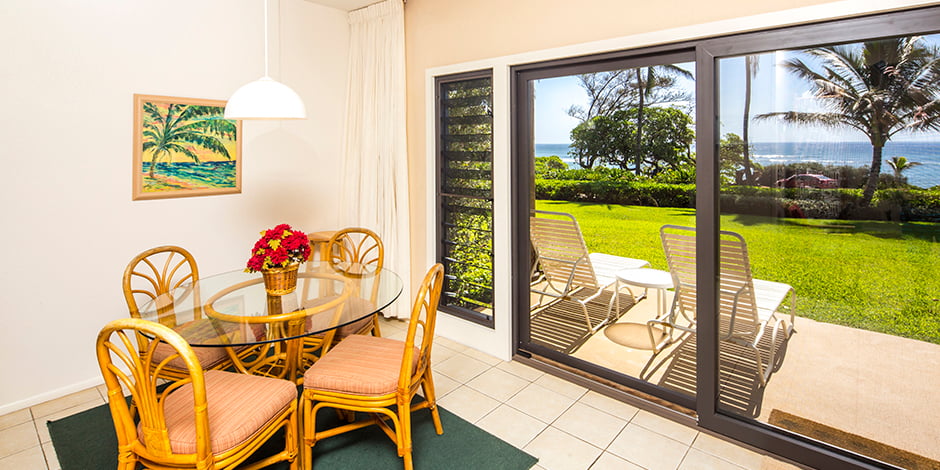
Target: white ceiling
{"x":345,"y":5}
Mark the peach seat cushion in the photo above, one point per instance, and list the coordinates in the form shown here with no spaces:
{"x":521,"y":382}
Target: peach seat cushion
{"x":208,"y":356}
{"x":239,"y":405}
{"x":355,"y":307}
{"x":360,"y":365}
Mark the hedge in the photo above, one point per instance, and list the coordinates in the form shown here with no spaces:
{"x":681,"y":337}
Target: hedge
{"x":888,"y":204}
{"x":637,"y":193}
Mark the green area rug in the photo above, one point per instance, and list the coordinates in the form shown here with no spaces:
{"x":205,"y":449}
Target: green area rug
{"x":86,"y":441}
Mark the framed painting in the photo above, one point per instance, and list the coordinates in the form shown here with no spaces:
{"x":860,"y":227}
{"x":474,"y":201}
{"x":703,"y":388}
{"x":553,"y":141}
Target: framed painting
{"x":184,"y":147}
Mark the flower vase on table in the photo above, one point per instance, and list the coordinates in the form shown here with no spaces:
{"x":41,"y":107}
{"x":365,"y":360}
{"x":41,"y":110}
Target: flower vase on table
{"x":280,"y":281}
{"x":277,"y":256}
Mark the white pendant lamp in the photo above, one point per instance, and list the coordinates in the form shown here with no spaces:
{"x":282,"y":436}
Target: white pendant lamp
{"x":265,"y":98}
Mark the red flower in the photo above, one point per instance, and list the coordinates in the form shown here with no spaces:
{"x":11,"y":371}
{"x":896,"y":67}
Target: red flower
{"x":255,"y":263}
{"x":278,"y":247}
{"x":279,"y":256}
{"x":295,"y":241}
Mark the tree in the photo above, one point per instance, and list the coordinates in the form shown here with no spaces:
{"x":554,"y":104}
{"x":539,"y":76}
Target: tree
{"x":731,"y":158}
{"x":179,"y":127}
{"x":668,"y":140}
{"x":750,"y":70}
{"x":598,"y":140}
{"x":611,"y":140}
{"x":899,"y":165}
{"x":607,"y":92}
{"x":547,"y":165}
{"x":648,"y":80}
{"x":882,"y":88}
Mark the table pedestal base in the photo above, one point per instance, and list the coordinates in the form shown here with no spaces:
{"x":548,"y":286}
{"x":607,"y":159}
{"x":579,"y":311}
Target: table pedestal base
{"x":636,"y":335}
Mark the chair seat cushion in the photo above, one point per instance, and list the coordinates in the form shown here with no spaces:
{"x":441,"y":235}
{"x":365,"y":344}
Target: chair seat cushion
{"x":360,"y":365}
{"x":239,"y":405}
{"x":354,"y":327}
{"x":353,"y":308}
{"x":208,"y":356}
{"x":208,"y":329}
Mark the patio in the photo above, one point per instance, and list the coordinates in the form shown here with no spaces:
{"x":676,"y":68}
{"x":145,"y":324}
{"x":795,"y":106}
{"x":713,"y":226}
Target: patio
{"x":856,"y":384}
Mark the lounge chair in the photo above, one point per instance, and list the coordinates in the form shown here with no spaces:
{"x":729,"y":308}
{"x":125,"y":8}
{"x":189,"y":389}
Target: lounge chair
{"x":564,"y":269}
{"x":748,"y":307}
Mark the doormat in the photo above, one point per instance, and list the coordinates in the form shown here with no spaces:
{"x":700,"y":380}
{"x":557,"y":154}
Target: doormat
{"x":852,"y":442}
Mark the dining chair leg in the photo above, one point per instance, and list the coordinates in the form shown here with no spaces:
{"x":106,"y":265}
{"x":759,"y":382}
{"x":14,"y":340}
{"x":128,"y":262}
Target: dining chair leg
{"x":308,"y":436}
{"x":404,"y":434}
{"x":293,"y":435}
{"x":127,"y":460}
{"x":428,"y":387}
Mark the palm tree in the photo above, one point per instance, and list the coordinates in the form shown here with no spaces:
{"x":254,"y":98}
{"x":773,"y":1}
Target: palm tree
{"x":656,"y":76}
{"x":884,"y":87}
{"x":750,"y":71}
{"x":182,"y":126}
{"x":899,"y":165}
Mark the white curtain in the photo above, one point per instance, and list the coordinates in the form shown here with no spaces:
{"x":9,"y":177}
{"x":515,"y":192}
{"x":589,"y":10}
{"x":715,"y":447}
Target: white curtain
{"x":375,"y":165}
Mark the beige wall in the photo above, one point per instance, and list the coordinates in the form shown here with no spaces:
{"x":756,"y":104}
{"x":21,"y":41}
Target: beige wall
{"x":68,"y":73}
{"x":445,"y":32}
{"x":448,"y":36}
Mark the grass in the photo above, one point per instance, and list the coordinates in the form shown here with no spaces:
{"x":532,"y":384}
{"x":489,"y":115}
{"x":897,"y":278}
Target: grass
{"x":877,"y":276}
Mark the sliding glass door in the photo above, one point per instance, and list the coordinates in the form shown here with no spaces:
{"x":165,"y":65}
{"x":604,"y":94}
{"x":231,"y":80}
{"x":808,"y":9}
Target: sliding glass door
{"x":828,"y":151}
{"x":779,"y":195}
{"x":609,"y":154}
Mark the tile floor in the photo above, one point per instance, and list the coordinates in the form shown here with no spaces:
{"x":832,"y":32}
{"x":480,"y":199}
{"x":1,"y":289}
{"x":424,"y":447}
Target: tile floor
{"x":565,"y":425}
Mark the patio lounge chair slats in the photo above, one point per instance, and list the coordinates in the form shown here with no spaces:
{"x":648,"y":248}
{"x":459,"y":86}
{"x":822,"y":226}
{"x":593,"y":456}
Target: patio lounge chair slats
{"x":748,"y":307}
{"x":567,"y":270}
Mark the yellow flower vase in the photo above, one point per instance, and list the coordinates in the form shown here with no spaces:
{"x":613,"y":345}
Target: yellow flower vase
{"x":280,"y":281}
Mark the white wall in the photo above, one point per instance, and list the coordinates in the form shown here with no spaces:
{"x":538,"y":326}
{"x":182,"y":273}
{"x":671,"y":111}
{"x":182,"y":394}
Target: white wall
{"x":68,"y":72}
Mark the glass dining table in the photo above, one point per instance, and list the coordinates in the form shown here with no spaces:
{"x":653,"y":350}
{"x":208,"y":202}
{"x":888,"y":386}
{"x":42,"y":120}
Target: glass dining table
{"x":265,"y":334}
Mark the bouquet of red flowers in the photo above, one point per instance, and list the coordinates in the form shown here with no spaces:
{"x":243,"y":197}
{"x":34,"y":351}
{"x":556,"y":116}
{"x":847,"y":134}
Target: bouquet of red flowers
{"x":278,"y":248}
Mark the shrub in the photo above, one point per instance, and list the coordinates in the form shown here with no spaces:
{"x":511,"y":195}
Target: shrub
{"x":643,"y":193}
{"x":888,"y":204}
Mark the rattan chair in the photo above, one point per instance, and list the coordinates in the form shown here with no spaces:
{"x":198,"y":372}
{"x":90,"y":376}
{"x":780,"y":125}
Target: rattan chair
{"x":153,"y":276}
{"x":378,"y":376}
{"x":748,"y":308}
{"x":204,"y":420}
{"x":564,"y":269}
{"x":358,"y":253}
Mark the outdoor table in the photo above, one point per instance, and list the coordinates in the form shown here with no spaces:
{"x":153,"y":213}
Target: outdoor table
{"x":640,"y":335}
{"x":647,"y":278}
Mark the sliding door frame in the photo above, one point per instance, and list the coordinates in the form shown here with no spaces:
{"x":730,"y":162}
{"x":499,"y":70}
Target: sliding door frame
{"x":523,"y":192}
{"x":706,"y":54}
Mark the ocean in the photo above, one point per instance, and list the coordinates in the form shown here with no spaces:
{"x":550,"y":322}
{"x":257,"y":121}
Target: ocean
{"x":191,"y":175}
{"x":925,"y":175}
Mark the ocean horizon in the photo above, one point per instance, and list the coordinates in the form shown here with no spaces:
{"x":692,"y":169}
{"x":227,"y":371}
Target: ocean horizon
{"x":855,"y":154}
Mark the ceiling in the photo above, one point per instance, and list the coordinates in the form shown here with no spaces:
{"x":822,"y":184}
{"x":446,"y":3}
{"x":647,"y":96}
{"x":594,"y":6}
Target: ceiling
{"x":345,"y":5}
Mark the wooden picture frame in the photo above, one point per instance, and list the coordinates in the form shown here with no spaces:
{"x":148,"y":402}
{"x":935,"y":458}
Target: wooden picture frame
{"x":184,"y":147}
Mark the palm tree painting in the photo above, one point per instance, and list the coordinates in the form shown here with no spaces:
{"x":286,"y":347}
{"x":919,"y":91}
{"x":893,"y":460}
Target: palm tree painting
{"x":880,"y":88}
{"x":184,"y":147}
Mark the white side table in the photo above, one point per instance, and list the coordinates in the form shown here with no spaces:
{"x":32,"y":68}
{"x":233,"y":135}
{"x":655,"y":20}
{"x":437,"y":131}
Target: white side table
{"x":647,"y":278}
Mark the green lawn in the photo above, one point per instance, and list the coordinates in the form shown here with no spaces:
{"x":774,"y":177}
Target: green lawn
{"x":878,"y":276}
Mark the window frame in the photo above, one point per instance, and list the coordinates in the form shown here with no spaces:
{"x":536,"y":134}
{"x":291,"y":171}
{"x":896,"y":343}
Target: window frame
{"x":459,"y":312}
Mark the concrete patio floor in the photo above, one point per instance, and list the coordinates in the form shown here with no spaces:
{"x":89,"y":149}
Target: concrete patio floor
{"x":868,"y":384}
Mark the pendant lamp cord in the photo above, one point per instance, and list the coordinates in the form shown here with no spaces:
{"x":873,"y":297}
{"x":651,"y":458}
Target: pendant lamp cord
{"x":266,"y":38}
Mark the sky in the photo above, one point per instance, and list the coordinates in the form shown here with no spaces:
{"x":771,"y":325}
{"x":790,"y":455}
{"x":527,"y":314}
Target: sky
{"x":773,"y":89}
